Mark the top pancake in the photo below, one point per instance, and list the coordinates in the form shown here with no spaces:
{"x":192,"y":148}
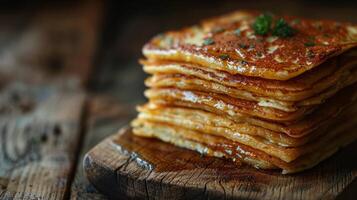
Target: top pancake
{"x":249,"y":54}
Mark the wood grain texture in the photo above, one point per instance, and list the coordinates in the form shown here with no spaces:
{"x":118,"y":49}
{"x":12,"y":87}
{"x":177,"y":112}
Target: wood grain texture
{"x":38,"y":144}
{"x":44,"y":56}
{"x":105,"y":116}
{"x":125,"y":165}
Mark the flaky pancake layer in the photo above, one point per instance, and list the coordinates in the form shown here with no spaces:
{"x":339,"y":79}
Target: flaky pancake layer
{"x":192,"y":83}
{"x":297,"y":129}
{"x":239,"y":107}
{"x":284,"y":153}
{"x":211,"y":123}
{"x":219,"y":146}
{"x":249,"y":54}
{"x":170,"y":135}
{"x":300,"y":88}
{"x":194,"y":118}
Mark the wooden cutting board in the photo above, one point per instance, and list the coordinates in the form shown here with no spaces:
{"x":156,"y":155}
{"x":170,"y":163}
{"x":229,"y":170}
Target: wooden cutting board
{"x":125,"y":165}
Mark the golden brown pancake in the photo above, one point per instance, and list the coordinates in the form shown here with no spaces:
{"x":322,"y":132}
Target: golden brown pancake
{"x":192,"y":83}
{"x":210,"y":123}
{"x":249,"y":54}
{"x":184,"y":82}
{"x":221,"y":147}
{"x":296,"y":89}
{"x":283,"y":99}
{"x":297,"y":129}
{"x":168,"y":134}
{"x":239,"y":107}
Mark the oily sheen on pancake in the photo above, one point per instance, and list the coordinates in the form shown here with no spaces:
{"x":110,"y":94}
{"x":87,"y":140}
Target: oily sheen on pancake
{"x":297,"y":89}
{"x":184,"y":82}
{"x":276,"y":95}
{"x":332,"y":108}
{"x":221,"y":147}
{"x":282,"y":152}
{"x":224,"y":103}
{"x":267,"y":57}
{"x":211,"y":123}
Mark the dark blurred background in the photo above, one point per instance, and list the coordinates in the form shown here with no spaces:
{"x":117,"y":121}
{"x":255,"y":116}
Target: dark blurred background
{"x":113,"y":33}
{"x":94,"y":45}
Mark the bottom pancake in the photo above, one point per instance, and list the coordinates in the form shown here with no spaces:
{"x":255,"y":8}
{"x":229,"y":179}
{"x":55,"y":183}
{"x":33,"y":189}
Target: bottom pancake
{"x":175,"y":136}
{"x":222,"y":147}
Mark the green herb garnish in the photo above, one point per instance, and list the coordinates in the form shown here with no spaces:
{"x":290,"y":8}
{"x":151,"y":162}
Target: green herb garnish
{"x":262,"y":24}
{"x":223,"y":56}
{"x":282,"y":29}
{"x":208,"y":41}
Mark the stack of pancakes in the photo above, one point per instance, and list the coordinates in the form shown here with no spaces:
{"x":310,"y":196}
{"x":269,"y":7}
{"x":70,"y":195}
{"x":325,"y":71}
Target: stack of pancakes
{"x":272,"y":102}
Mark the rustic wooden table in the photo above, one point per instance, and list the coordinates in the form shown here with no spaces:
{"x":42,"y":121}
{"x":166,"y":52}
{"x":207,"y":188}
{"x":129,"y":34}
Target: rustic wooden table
{"x":69,"y":77}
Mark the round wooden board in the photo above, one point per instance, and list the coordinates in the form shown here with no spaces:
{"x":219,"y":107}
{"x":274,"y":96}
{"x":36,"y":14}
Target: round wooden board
{"x":125,"y":165}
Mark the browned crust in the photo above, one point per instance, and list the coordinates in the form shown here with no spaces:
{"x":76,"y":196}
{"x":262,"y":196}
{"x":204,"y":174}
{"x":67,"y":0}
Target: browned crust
{"x":290,"y":58}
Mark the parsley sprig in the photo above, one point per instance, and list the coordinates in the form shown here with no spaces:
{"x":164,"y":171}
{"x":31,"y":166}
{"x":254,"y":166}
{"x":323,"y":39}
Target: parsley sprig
{"x":282,"y":29}
{"x":263,"y":25}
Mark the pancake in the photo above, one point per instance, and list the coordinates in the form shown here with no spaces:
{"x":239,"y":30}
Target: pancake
{"x":275,"y":92}
{"x":176,"y":137}
{"x":221,"y":147}
{"x":211,"y":123}
{"x":192,"y":83}
{"x":203,"y":123}
{"x":239,"y":107}
{"x":332,"y":108}
{"x":250,"y":54}
{"x":297,"y":89}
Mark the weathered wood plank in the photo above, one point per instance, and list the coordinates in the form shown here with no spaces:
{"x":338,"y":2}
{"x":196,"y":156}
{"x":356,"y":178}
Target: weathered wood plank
{"x":42,"y":61}
{"x":105,"y":115}
{"x":38,"y":145}
{"x":125,"y":165}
